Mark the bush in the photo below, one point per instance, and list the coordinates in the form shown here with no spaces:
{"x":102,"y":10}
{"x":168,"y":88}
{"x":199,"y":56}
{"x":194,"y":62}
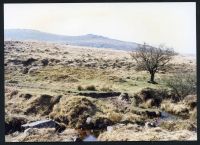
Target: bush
{"x":80,"y":88}
{"x":182,"y":84}
{"x":150,"y":97}
{"x":106,"y":89}
{"x":90,"y":88}
{"x":115,"y":117}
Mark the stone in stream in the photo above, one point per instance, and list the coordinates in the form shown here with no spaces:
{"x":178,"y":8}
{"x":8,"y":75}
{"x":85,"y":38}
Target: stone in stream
{"x":40,"y":124}
{"x":88,"y":120}
{"x":150,"y":124}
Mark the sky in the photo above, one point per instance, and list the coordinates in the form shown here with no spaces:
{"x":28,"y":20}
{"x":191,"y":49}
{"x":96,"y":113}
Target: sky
{"x":172,"y":24}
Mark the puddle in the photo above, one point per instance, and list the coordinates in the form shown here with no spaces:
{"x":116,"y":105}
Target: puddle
{"x":168,"y":116}
{"x":90,"y":138}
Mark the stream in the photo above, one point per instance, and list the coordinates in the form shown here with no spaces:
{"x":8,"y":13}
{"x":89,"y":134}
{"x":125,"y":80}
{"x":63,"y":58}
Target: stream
{"x":92,"y":135}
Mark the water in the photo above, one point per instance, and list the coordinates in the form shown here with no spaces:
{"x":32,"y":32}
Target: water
{"x":90,"y":138}
{"x":168,"y":116}
{"x":89,"y":135}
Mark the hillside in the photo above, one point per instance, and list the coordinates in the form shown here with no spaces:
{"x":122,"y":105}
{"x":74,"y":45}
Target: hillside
{"x":89,"y":40}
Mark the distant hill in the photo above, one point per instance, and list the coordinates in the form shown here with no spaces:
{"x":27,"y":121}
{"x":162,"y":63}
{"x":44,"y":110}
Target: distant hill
{"x":89,"y":40}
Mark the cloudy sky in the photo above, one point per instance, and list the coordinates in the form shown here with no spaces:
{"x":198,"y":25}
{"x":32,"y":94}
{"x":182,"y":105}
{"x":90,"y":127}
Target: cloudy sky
{"x":173,"y":24}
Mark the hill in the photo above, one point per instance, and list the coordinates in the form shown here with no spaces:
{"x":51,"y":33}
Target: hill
{"x":89,"y":40}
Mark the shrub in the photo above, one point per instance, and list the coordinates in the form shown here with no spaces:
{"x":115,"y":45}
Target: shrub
{"x":150,"y":97}
{"x":80,"y":88}
{"x":115,"y":117}
{"x":106,"y":89}
{"x":182,"y":84}
{"x":73,"y":111}
{"x":90,"y":88}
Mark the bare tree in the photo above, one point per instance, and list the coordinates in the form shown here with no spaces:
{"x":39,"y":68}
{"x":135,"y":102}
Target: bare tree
{"x":152,"y":59}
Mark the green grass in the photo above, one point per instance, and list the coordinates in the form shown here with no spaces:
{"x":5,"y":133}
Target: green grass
{"x":60,"y":79}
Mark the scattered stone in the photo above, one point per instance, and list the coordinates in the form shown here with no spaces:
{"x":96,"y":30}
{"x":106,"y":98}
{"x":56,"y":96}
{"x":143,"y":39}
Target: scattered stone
{"x":109,"y":128}
{"x":29,"y":131}
{"x":150,"y":124}
{"x":88,"y":120}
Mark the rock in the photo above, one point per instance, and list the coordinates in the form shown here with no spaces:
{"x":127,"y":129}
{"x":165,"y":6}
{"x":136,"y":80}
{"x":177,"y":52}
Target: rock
{"x":109,"y":128}
{"x":16,"y":133}
{"x":29,"y":131}
{"x":40,"y":124}
{"x":88,"y":120}
{"x":150,"y":124}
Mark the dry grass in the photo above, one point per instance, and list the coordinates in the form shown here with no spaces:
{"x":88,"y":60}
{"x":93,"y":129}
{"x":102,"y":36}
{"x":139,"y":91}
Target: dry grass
{"x":44,"y":135}
{"x":87,"y":69}
{"x":178,"y":125}
{"x":175,"y":108}
{"x":41,"y":105}
{"x":73,"y":110}
{"x":136,"y":133}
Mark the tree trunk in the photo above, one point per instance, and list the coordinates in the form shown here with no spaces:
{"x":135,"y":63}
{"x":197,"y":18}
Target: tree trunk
{"x":152,"y":78}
